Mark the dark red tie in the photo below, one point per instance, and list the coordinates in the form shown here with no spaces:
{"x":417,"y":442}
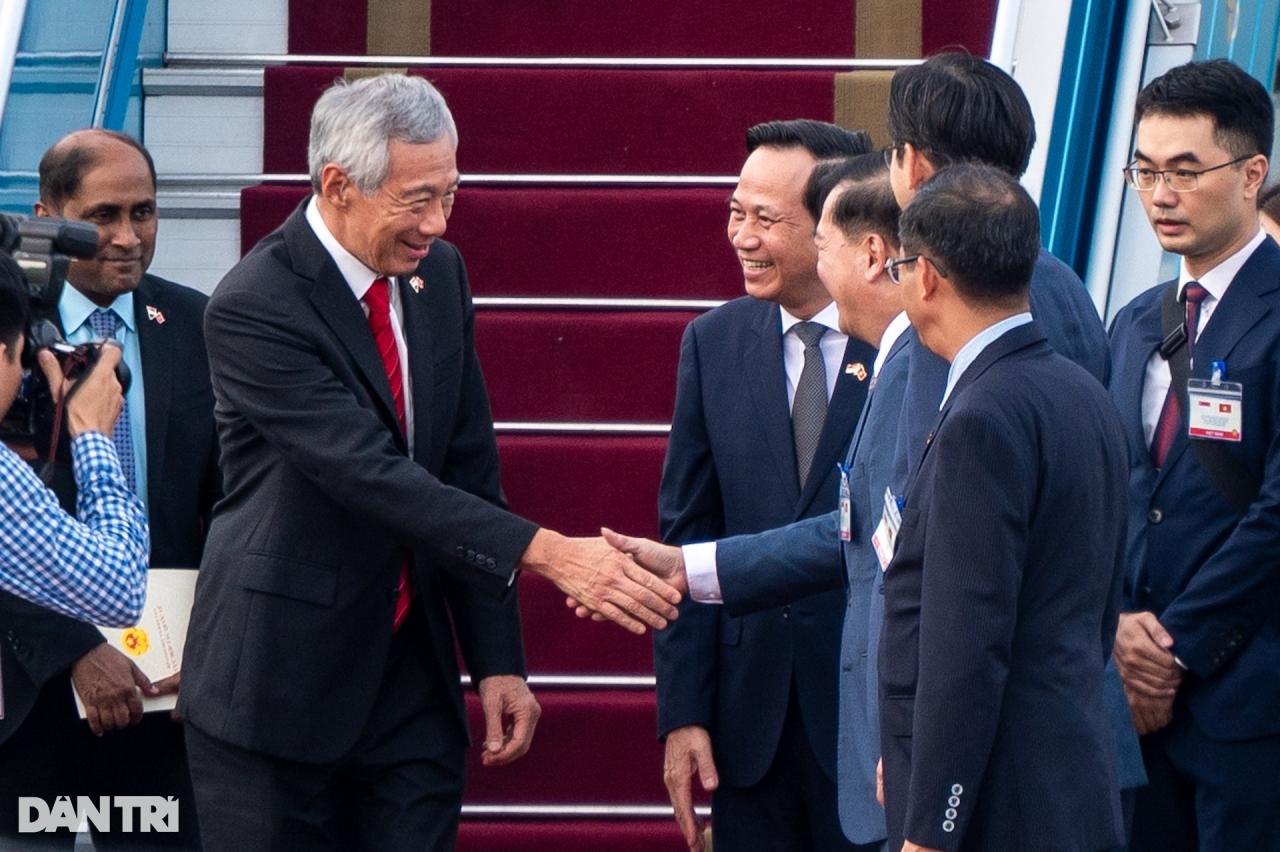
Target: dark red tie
{"x":1171,"y":413}
{"x":378,"y":301}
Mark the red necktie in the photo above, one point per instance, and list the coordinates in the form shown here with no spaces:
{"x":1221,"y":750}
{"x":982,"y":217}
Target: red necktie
{"x":1171,"y":412}
{"x":378,"y":301}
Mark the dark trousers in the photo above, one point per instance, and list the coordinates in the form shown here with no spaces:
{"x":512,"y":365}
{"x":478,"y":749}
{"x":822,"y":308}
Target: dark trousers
{"x":791,"y":809}
{"x":399,"y":788}
{"x":54,"y":754}
{"x":1205,"y":794}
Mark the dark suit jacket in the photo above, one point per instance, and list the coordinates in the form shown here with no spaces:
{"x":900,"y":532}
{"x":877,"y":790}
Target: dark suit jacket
{"x":291,"y":628}
{"x":1209,"y":575}
{"x":730,"y":469}
{"x":1000,"y":610}
{"x":182,"y":485}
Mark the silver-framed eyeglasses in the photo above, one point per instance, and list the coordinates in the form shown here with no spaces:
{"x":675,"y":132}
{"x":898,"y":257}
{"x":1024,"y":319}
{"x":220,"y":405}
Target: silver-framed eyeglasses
{"x":894,"y":264}
{"x":1178,"y":180}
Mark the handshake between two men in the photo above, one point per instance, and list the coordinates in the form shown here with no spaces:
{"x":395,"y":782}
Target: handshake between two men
{"x":643,"y":581}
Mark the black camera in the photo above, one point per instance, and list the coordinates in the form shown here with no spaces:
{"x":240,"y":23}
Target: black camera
{"x":43,"y":248}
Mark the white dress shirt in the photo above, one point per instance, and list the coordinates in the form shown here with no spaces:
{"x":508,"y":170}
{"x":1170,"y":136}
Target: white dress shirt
{"x":1155,"y":386}
{"x":896,"y":328}
{"x":360,"y":278}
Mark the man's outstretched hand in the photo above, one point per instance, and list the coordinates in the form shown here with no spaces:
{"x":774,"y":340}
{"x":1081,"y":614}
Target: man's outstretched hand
{"x":661,"y":560}
{"x":602,"y":581}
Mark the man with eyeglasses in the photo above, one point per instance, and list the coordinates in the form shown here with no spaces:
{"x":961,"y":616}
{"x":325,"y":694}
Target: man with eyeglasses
{"x":1194,"y":373}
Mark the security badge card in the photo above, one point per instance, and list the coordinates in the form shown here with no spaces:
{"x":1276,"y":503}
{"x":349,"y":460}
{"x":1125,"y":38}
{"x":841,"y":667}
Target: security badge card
{"x":1216,"y":407}
{"x":887,"y":531}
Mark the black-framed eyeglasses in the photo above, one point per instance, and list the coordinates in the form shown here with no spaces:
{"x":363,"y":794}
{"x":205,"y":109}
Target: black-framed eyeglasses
{"x":1178,"y":180}
{"x":887,"y":153}
{"x":894,"y":264}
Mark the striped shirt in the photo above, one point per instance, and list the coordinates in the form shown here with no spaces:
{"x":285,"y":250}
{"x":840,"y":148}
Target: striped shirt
{"x":94,"y":568}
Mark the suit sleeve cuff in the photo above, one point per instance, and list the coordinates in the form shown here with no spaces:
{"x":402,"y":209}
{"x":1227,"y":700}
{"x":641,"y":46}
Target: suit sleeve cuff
{"x":700,"y":568}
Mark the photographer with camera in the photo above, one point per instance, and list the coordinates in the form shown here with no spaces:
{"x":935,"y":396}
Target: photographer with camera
{"x":93,"y":568}
{"x":166,"y":440}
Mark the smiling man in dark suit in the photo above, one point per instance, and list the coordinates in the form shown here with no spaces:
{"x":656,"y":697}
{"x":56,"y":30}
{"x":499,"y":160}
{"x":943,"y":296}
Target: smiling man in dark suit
{"x":1002,"y":595}
{"x":1199,"y":641}
{"x":363,"y":521}
{"x":769,"y":390}
{"x":166,"y":442}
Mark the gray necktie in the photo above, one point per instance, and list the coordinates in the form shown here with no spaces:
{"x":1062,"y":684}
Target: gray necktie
{"x":809,"y":411}
{"x":105,"y":324}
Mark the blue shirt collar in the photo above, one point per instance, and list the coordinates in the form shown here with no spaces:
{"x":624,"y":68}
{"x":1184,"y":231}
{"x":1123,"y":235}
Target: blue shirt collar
{"x":74,"y":307}
{"x":980,"y":341}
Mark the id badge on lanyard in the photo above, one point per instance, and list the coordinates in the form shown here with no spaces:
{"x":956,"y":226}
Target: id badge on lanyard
{"x":1215,"y":407}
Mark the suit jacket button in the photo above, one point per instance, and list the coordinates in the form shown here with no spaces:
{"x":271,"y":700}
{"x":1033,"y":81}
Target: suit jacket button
{"x":471,"y":555}
{"x":957,"y":790}
{"x":461,"y":551}
{"x":491,"y":562}
{"x":950,"y":813}
{"x":1155,"y":516}
{"x":786,"y":613}
{"x":948,"y":826}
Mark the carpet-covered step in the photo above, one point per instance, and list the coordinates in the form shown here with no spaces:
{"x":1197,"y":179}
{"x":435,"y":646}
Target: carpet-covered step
{"x":558,"y":835}
{"x":581,"y":366}
{"x":601,"y":121}
{"x":575,"y":483}
{"x":709,"y":28}
{"x":559,"y":643}
{"x":602,"y":242}
{"x":591,"y":747}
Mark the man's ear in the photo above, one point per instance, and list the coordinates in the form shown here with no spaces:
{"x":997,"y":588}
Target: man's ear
{"x":931,"y":283}
{"x":1255,"y":174}
{"x":42,"y":209}
{"x":335,"y":187}
{"x":916,"y":165}
{"x":877,"y":254}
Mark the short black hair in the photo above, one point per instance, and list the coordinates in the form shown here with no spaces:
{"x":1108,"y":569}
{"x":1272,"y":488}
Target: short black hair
{"x":866,"y":202}
{"x":1242,"y":112}
{"x":955,"y":107}
{"x":825,"y":141}
{"x":979,"y":225}
{"x":1269,"y":203}
{"x":14,"y":303}
{"x":63,"y":166}
{"x":826,"y":176}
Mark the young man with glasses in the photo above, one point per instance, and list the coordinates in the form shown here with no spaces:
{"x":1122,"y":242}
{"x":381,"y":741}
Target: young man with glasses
{"x":1194,"y":373}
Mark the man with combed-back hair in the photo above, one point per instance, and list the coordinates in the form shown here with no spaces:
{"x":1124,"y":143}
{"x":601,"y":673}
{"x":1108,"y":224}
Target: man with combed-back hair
{"x":737,"y":463}
{"x":363,"y":512}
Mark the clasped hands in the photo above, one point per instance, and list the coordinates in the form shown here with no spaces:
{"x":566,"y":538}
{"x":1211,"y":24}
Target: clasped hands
{"x":633,"y":582}
{"x":1144,"y":658}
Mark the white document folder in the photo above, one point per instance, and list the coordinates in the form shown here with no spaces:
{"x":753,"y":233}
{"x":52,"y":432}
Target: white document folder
{"x":155,"y":643}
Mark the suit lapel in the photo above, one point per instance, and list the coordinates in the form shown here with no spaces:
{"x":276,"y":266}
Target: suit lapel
{"x":1133,"y":378}
{"x":156,"y":354}
{"x":1241,"y":309}
{"x":848,"y":401}
{"x":338,"y":308}
{"x":767,"y":379}
{"x":897,"y":347}
{"x":417,"y":334}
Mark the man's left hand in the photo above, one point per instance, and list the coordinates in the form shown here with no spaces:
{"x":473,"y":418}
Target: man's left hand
{"x":510,"y":715}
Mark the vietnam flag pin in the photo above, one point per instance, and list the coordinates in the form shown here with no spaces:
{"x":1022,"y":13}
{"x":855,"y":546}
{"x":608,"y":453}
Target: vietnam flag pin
{"x":154,"y":314}
{"x":857,"y":370}
{"x":416,"y":283}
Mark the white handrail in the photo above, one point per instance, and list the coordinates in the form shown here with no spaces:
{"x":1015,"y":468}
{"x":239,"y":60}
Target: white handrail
{"x":12,"y":14}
